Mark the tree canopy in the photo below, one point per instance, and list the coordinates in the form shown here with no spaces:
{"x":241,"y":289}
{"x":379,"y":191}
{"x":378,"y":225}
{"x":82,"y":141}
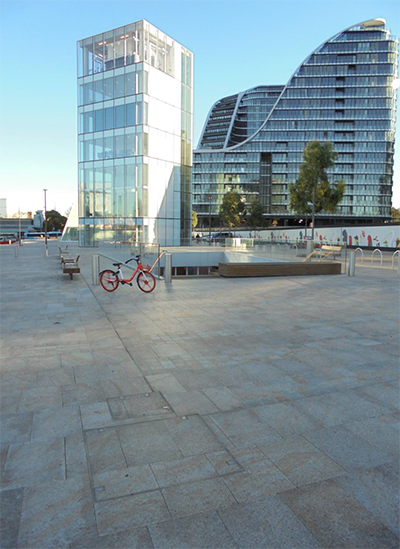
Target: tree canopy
{"x":55,"y":221}
{"x":232,"y":209}
{"x":255,"y":219}
{"x":312,"y":192}
{"x":195,"y":219}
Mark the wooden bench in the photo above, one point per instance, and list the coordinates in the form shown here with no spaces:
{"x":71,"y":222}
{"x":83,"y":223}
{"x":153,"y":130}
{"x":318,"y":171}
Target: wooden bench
{"x":231,"y":270}
{"x":328,"y":251}
{"x":70,"y":266}
{"x":63,"y":250}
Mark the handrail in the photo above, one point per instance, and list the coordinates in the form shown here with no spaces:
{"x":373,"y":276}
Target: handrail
{"x":372,"y":256}
{"x":157,"y":260}
{"x":312,"y":253}
{"x":396,"y":252}
{"x":362,"y":254}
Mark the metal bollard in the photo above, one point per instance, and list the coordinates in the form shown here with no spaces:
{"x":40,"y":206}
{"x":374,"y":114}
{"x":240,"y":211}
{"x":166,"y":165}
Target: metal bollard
{"x":95,"y":269}
{"x":310,"y":248}
{"x":16,"y":250}
{"x":168,"y":268}
{"x":352,"y":263}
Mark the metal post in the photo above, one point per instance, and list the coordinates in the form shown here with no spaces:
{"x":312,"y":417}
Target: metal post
{"x":209,"y":223}
{"x":168,"y":268}
{"x":398,"y":267}
{"x":95,"y":269}
{"x":45,"y":223}
{"x":19,"y":227}
{"x":352,"y":263}
{"x":16,"y":250}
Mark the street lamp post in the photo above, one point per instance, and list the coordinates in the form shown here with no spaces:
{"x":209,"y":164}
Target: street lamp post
{"x":209,"y":222}
{"x":19,"y":227}
{"x":45,"y":223}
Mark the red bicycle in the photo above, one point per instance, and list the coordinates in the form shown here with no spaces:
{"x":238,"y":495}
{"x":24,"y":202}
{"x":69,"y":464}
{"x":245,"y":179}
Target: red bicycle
{"x":110,"y":280}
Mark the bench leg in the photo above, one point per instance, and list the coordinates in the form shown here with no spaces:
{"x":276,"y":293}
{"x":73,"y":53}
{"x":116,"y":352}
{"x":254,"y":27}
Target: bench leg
{"x":71,"y":275}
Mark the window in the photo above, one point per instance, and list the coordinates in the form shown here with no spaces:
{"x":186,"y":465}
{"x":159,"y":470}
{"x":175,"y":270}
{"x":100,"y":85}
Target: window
{"x":130,"y":114}
{"x":98,"y":120}
{"x":119,"y":86}
{"x":120,"y":116}
{"x":109,"y":118}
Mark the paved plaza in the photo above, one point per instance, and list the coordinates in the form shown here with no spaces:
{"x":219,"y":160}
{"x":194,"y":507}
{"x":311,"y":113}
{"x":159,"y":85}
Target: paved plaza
{"x":213,"y":413}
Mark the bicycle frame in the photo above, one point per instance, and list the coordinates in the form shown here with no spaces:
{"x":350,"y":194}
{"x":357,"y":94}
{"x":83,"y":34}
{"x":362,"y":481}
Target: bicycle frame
{"x":139,"y":268}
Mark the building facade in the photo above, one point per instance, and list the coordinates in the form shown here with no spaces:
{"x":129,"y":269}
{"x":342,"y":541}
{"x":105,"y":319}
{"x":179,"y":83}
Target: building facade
{"x":135,"y":119}
{"x":344,"y":92}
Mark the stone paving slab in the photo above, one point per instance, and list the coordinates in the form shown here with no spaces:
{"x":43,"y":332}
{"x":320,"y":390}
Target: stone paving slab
{"x":211,"y":413}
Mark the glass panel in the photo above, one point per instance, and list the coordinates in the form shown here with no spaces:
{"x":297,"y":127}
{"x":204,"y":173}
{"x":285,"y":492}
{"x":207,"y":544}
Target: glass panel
{"x":130,"y":114}
{"x":87,"y":57}
{"x":98,"y":120}
{"x":119,"y":146}
{"x":88,"y":93}
{"x":88,"y":150}
{"x":80,"y":94}
{"x":109,"y":88}
{"x":99,"y":54}
{"x":119,"y":47}
{"x":80,"y":59}
{"x":88,"y":122}
{"x":99,"y":90}
{"x":109,"y":51}
{"x":88,"y":207}
{"x":81,"y":122}
{"x":108,"y":189}
{"x":98,"y":149}
{"x":108,"y":147}
{"x":98,"y":192}
{"x":139,"y":76}
{"x":130,"y":144}
{"x":132,"y":45}
{"x":120,"y":116}
{"x":119,"y":190}
{"x":139,"y":116}
{"x":109,"y":118}
{"x":119,"y":86}
{"x":130,"y":83}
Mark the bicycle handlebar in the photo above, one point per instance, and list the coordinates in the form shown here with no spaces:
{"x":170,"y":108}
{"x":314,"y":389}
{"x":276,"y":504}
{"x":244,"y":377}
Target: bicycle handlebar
{"x":137,"y":259}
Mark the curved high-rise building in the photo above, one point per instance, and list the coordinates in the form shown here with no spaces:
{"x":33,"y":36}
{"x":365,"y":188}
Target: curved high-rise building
{"x":344,"y":92}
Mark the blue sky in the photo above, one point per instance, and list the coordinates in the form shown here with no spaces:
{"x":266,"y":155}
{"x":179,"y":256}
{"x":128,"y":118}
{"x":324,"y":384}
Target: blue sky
{"x":237,"y":44}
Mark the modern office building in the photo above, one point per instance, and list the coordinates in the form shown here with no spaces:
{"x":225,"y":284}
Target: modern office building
{"x":344,"y":92}
{"x":135,"y":97}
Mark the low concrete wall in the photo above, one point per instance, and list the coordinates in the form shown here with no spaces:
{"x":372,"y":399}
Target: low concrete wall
{"x":278,"y":269}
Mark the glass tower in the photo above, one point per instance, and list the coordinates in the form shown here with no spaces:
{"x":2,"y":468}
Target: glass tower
{"x":135,"y":97}
{"x":343,"y":92}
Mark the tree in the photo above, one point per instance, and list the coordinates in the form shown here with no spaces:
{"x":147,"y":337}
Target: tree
{"x":232,"y":209}
{"x":255,"y":219}
{"x":195,"y":219}
{"x":55,"y":221}
{"x":395,"y":213}
{"x":312,"y":191}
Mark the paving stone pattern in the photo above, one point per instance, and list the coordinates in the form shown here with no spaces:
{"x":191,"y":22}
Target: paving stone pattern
{"x":212,"y":413}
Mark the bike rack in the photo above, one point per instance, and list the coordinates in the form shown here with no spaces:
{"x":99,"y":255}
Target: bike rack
{"x":362,"y":254}
{"x":393,"y":256}
{"x":372,"y":257}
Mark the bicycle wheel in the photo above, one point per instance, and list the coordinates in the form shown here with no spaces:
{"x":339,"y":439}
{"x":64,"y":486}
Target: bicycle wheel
{"x":109,"y":281}
{"x":146,"y":282}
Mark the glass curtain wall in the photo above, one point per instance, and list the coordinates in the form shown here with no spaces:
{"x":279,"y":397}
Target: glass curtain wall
{"x":343,"y":93}
{"x":129,"y":78}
